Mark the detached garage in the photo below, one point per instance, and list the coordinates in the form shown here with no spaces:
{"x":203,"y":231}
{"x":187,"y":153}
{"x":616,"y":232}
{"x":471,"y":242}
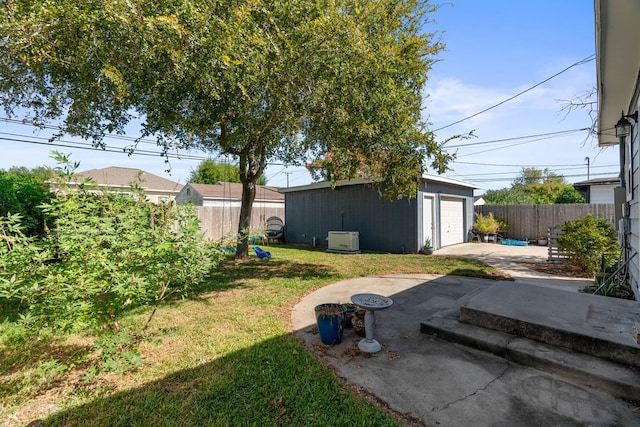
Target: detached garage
{"x":442,"y":212}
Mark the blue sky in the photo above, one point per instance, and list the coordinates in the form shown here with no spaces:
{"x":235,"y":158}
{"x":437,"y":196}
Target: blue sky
{"x":494,"y":50}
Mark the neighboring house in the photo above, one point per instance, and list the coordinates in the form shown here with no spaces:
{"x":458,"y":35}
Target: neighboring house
{"x":442,"y":212}
{"x":219,"y":206}
{"x":478,"y":201}
{"x":618,"y":84}
{"x":156,"y":188}
{"x":599,"y":190}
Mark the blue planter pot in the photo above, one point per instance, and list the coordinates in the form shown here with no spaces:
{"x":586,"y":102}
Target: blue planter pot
{"x":331,"y":321}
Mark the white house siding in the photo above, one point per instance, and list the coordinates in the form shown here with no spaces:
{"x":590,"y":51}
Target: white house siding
{"x":601,"y":194}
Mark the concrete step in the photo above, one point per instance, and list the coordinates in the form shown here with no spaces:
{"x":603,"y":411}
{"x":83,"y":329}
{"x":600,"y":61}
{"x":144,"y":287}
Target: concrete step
{"x":614,"y":378}
{"x":599,"y":326}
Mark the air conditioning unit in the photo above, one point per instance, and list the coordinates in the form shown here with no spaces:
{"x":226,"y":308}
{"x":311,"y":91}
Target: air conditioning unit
{"x":344,"y":241}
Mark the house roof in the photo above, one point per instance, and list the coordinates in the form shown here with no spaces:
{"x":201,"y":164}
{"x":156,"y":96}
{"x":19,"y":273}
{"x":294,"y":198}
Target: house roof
{"x":233,"y":191}
{"x":114,"y":176}
{"x":615,"y":180}
{"x":360,"y":181}
{"x":617,"y":62}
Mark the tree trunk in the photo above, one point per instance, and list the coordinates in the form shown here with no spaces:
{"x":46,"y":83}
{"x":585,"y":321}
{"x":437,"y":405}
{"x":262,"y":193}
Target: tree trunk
{"x":251,"y":165}
{"x":248,"y":196}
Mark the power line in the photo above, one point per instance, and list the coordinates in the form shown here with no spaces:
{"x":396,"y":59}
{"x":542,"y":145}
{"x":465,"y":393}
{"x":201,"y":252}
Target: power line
{"x":581,"y":62}
{"x":36,"y":140}
{"x":109,"y":149}
{"x":526,"y":166}
{"x":516,"y":138}
{"x":517,"y":172}
{"x":506,"y":146}
{"x":58,"y":128}
{"x":483,"y":180}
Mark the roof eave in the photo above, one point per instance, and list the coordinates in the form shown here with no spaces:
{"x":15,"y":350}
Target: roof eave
{"x":617,"y":30}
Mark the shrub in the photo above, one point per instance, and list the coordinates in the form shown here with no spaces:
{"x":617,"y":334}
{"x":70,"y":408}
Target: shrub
{"x":487,"y":224}
{"x":106,"y":254}
{"x":592,"y":243}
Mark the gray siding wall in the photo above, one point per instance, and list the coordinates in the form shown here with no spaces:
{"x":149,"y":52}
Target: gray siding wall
{"x":383,"y":225}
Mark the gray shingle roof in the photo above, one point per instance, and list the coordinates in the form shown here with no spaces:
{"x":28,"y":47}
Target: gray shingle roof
{"x":121,"y":177}
{"x":233,"y":191}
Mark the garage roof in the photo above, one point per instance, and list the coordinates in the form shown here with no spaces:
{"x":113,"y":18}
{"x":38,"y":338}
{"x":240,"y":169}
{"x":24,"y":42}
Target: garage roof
{"x":360,"y":181}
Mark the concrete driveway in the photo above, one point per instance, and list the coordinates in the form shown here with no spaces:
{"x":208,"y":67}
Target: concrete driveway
{"x":510,"y":258}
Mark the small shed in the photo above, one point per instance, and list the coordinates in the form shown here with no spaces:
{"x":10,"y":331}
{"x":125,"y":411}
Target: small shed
{"x":442,"y":211}
{"x":599,"y":190}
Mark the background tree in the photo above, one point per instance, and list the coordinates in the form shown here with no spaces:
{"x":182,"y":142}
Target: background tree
{"x":507,"y":196}
{"x":568,"y":194}
{"x":265,"y":80}
{"x":22,"y":192}
{"x":531,"y":176}
{"x":211,"y":172}
{"x":535,"y":186}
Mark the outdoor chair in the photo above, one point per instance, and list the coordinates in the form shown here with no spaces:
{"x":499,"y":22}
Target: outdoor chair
{"x":475,"y":235}
{"x":262,"y":254}
{"x":274,"y":229}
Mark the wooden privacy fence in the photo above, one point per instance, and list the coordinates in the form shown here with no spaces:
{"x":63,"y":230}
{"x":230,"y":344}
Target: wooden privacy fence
{"x":217,"y":222}
{"x":530,"y":222}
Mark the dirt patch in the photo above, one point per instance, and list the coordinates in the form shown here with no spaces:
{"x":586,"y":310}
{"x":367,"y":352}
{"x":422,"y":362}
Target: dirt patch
{"x":557,"y":269}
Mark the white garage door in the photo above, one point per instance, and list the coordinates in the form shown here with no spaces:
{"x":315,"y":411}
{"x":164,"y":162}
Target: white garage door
{"x":451,"y":221}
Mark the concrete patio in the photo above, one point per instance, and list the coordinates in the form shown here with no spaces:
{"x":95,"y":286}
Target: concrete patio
{"x":463,"y":351}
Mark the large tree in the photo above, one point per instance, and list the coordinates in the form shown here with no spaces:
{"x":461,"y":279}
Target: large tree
{"x":260,"y":80}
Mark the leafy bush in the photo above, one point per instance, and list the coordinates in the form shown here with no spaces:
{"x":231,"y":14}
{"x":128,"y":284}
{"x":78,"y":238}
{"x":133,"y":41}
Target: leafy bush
{"x":488,"y":224}
{"x":592,"y":243}
{"x":106,"y":254}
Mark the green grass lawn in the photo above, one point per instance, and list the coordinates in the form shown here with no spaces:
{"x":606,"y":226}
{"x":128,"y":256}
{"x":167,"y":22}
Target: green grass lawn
{"x":224,"y":356}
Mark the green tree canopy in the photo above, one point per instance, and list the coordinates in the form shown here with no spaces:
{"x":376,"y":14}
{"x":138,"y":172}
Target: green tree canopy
{"x":532,"y":176}
{"x":211,"y":172}
{"x":507,"y":196}
{"x":266,"y":80}
{"x":535,"y":187}
{"x":22,"y":192}
{"x":568,"y":194}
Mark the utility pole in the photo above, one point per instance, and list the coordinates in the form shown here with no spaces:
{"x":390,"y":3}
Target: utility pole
{"x":287,"y":173}
{"x":586,"y":159}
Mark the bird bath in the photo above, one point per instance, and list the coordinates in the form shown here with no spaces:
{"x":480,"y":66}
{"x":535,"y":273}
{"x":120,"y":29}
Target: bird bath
{"x":371,"y":303}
